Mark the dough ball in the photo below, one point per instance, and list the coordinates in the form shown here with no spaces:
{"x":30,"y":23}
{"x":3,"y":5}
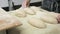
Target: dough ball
{"x":29,"y":11}
{"x":18,"y":13}
{"x":52,"y":14}
{"x":35,"y":8}
{"x":37,"y":23}
{"x":48,"y":19}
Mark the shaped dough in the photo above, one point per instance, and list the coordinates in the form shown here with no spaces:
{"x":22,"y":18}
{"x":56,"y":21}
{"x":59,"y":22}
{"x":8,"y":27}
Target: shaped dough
{"x":29,"y":11}
{"x":48,"y":19}
{"x":18,"y":12}
{"x":35,"y":8}
{"x":37,"y":23}
{"x":52,"y":14}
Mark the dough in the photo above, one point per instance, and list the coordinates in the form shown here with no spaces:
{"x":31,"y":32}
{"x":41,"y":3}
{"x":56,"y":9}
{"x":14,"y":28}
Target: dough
{"x":29,"y":11}
{"x":52,"y":14}
{"x":30,"y":25}
{"x":37,"y":23}
{"x":26,"y":28}
{"x":18,"y":12}
{"x":35,"y":8}
{"x":48,"y":19}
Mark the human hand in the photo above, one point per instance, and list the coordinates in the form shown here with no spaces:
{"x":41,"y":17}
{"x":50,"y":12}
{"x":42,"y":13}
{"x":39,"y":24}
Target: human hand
{"x":25,"y":3}
{"x":58,"y":18}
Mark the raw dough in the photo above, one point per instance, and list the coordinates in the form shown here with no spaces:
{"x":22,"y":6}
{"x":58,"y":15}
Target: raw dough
{"x":52,"y":14}
{"x":35,"y":8}
{"x":18,"y":12}
{"x":29,"y":11}
{"x":48,"y":19}
{"x":37,"y":23}
{"x":27,"y":28}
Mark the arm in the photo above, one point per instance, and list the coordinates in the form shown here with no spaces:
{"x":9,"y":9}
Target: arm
{"x":25,"y":3}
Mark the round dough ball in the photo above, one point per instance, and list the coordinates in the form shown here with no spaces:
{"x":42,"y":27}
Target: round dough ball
{"x":29,"y":11}
{"x":37,"y":23}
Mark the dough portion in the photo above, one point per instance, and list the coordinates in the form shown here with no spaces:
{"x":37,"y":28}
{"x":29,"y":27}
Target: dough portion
{"x":52,"y":14}
{"x":18,"y":13}
{"x":35,"y":8}
{"x":48,"y":19}
{"x":29,"y":11}
{"x":37,"y":23}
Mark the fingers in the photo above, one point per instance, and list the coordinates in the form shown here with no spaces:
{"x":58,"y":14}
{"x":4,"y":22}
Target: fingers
{"x":58,"y":18}
{"x":25,"y":3}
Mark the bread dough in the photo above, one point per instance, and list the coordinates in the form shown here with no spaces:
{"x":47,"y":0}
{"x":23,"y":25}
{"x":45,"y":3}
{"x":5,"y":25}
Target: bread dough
{"x":29,"y":11}
{"x":48,"y":19}
{"x":27,"y":28}
{"x":35,"y":8}
{"x":37,"y":23}
{"x":18,"y":12}
{"x":52,"y":14}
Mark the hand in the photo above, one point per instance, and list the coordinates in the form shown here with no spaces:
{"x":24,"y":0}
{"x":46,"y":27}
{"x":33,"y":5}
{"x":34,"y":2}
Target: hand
{"x":58,"y":18}
{"x":25,"y":3}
